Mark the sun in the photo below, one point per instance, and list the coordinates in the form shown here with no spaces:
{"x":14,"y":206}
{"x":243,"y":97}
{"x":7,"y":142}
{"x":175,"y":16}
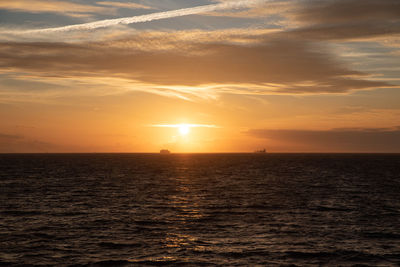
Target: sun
{"x":184,"y":129}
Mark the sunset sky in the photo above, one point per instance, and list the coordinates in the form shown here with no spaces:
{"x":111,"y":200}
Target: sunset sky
{"x":199,"y":76}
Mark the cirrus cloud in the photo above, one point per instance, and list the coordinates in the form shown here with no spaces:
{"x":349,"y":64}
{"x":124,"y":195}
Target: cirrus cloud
{"x":52,"y":6}
{"x":269,"y":66}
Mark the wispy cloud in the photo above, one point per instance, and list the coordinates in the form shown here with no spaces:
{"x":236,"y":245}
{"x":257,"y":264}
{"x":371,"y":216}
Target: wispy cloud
{"x":63,"y":7}
{"x":346,"y":11}
{"x":271,"y":66}
{"x":8,"y":137}
{"x":331,"y":20}
{"x":152,"y":16}
{"x":123,"y":5}
{"x":17,"y":144}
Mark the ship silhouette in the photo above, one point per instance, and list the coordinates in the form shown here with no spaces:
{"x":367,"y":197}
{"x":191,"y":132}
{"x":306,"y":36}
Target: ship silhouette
{"x":262,"y":151}
{"x":165,"y":151}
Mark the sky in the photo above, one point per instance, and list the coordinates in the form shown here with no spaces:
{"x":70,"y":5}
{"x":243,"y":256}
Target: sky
{"x":199,"y":76}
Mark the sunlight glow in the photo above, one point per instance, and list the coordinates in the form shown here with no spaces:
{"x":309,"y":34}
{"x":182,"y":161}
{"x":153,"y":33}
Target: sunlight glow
{"x":185,"y":125}
{"x":184,"y":129}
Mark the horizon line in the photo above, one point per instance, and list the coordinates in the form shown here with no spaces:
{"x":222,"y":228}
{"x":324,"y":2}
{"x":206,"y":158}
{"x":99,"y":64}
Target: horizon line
{"x":177,"y":153}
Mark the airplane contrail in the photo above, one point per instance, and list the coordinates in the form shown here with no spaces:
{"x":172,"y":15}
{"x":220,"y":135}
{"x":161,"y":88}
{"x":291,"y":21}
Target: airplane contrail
{"x":152,"y":16}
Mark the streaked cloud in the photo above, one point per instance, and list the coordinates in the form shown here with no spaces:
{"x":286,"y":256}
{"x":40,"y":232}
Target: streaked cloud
{"x":9,"y":137}
{"x":270,"y":66}
{"x":346,"y":11}
{"x":129,"y":5}
{"x":346,"y":19}
{"x":329,"y":19}
{"x":271,"y":8}
{"x":20,"y":144}
{"x":61,"y":7}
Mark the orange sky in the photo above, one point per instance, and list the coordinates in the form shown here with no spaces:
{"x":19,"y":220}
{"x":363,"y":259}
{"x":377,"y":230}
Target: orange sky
{"x":309,"y":76}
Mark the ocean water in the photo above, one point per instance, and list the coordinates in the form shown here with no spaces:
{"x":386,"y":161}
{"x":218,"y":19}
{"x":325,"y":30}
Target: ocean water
{"x":200,"y":209}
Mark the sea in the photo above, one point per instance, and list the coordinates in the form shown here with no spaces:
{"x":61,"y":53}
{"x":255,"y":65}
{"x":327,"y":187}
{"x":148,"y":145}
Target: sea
{"x":200,"y":210}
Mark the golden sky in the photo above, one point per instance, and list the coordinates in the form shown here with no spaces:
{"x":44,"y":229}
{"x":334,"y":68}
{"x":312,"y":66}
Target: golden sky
{"x":200,"y":76}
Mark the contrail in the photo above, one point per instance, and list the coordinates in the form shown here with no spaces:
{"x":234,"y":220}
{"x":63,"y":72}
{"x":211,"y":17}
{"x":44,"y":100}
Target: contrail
{"x":152,"y":17}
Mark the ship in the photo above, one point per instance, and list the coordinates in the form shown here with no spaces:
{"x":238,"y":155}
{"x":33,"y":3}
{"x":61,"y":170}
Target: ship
{"x":165,"y":151}
{"x":261,"y":151}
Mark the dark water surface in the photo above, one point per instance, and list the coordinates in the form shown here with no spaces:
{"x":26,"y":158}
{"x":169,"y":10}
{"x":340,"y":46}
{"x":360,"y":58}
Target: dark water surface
{"x":200,"y":209}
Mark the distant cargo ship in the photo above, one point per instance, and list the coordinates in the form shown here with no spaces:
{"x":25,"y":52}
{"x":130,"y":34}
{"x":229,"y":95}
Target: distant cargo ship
{"x":262,"y":151}
{"x":165,"y":151}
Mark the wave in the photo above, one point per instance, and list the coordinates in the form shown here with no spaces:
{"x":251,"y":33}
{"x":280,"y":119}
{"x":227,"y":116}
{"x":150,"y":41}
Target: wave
{"x":21,"y":213}
{"x":110,"y":263}
{"x":325,"y":208}
{"x":348,"y":255}
{"x":377,"y":235}
{"x":114,"y":245}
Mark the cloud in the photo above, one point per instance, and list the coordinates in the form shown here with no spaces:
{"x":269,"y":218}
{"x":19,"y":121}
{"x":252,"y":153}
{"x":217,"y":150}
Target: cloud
{"x":26,"y":144}
{"x":62,"y":7}
{"x":274,"y":12}
{"x":345,"y":32}
{"x":148,"y":17}
{"x":347,"y":11}
{"x":123,"y":5}
{"x":270,"y":8}
{"x":335,"y":140}
{"x":17,"y":144}
{"x":268,"y":66}
{"x":8,"y":137}
{"x":329,"y":19}
{"x":346,"y":19}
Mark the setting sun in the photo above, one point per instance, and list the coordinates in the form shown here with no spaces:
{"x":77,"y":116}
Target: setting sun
{"x":184,"y":129}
